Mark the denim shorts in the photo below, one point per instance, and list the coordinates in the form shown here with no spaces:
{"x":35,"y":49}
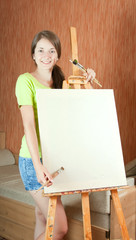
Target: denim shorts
{"x":28,"y":174}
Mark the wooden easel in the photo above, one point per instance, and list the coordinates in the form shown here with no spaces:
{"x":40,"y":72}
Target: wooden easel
{"x":77,"y":82}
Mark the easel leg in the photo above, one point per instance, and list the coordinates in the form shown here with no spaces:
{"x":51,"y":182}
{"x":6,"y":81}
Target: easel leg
{"x":51,"y":218}
{"x":86,"y":216}
{"x":120,"y":215}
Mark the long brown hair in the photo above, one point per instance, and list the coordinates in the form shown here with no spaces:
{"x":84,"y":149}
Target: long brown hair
{"x":57,"y":74}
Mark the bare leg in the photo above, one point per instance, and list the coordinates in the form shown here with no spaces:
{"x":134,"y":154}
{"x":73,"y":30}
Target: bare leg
{"x":60,"y":228}
{"x":40,"y":222}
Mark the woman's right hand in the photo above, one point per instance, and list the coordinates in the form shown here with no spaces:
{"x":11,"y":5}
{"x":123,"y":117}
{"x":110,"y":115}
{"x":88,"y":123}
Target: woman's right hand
{"x":43,"y":176}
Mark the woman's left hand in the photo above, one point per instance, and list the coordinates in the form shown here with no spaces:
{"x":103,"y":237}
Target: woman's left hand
{"x":90,"y":75}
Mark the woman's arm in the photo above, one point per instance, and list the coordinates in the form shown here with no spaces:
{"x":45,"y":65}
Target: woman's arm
{"x":27,"y":114}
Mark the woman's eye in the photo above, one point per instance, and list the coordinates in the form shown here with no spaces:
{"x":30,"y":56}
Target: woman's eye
{"x":40,"y":50}
{"x":52,"y":51}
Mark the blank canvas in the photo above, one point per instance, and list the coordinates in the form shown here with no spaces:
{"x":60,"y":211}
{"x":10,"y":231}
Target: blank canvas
{"x":79,"y":131}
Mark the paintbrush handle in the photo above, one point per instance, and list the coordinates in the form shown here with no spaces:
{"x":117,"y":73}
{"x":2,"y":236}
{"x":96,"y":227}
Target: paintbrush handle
{"x":97,"y":82}
{"x":81,"y":67}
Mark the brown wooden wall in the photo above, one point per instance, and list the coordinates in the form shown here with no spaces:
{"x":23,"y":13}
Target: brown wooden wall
{"x":106,"y":31}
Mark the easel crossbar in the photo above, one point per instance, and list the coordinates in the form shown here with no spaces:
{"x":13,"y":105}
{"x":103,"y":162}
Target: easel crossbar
{"x":83,"y":191}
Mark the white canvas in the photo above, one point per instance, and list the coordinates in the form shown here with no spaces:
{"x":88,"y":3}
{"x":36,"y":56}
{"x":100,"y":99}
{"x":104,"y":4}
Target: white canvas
{"x":79,"y":131}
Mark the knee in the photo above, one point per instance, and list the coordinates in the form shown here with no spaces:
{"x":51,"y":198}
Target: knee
{"x":38,"y":214}
{"x":65,"y":230}
{"x":62,"y":232}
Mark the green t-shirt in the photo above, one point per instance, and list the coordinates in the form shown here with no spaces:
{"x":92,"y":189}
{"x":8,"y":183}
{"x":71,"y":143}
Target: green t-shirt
{"x":25,"y":91}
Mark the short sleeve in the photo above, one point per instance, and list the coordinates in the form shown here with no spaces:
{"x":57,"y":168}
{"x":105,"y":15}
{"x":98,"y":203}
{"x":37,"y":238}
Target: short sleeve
{"x":23,"y":91}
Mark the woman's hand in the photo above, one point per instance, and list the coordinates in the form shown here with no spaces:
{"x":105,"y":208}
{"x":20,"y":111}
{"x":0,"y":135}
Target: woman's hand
{"x":90,"y":75}
{"x":43,"y":175}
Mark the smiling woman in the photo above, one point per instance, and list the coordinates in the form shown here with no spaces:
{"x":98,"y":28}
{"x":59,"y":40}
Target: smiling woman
{"x":45,"y":50}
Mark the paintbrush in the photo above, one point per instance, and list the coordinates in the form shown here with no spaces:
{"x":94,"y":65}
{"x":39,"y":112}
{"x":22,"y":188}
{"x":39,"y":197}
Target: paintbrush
{"x":76,"y":63}
{"x":55,"y":174}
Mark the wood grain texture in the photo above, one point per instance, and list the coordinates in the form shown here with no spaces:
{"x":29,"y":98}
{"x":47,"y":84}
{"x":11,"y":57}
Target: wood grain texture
{"x":120,"y":215}
{"x":128,"y":203}
{"x":106,"y":34}
{"x":17,"y":220}
{"x":51,"y":218}
{"x":20,"y":226}
{"x":86,"y":216}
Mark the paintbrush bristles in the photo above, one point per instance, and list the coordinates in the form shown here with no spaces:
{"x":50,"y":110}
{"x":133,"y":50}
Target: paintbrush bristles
{"x":75,"y":61}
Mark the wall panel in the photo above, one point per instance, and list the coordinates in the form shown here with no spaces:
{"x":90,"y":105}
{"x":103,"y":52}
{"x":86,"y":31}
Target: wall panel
{"x":106,"y":33}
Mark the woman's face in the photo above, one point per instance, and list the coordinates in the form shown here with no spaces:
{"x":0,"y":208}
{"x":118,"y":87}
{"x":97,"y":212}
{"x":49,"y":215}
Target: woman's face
{"x":45,"y":54}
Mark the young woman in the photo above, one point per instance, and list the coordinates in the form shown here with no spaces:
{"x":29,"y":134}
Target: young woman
{"x":45,"y":51}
